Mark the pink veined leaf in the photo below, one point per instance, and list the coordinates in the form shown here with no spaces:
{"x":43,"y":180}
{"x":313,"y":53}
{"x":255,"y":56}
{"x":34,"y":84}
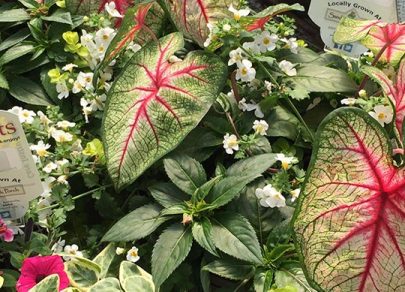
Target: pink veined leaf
{"x":350,"y":220}
{"x":351,"y":30}
{"x":154,"y":104}
{"x":259,"y":20}
{"x":192,"y":17}
{"x":395,"y":92}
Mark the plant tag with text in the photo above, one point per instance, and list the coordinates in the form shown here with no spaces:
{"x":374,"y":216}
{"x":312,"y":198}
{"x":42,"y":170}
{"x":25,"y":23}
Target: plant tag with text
{"x":19,"y":177}
{"x":327,"y":14}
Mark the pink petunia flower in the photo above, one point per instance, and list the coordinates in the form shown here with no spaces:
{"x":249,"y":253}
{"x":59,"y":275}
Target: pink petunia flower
{"x":6,"y":233}
{"x":37,"y":268}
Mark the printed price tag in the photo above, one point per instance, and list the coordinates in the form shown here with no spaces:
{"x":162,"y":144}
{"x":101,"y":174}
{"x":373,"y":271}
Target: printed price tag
{"x":327,"y":14}
{"x":19,"y":178}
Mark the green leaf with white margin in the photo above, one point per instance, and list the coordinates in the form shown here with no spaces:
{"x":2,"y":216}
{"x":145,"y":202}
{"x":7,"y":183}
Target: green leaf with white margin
{"x":313,"y":78}
{"x":48,"y":284}
{"x":137,"y":224}
{"x":185,"y":172}
{"x":106,"y":285}
{"x":154,"y":104}
{"x":167,"y":194}
{"x":294,"y":278}
{"x":129,"y":269}
{"x":191,"y":17}
{"x":252,"y":166}
{"x":262,"y":280}
{"x":169,"y":252}
{"x":202,"y":233}
{"x":82,"y":273}
{"x":231,"y":269}
{"x":234,"y":235}
{"x":105,"y":258}
{"x":138,"y":284}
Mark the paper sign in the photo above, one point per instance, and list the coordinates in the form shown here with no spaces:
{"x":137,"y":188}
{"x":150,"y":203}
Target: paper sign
{"x":401,"y":10}
{"x":19,"y":178}
{"x":327,"y":14}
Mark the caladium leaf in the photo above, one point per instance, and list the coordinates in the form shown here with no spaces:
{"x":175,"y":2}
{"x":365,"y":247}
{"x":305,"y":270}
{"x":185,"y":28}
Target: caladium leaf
{"x":192,"y":17}
{"x":395,"y":92}
{"x":259,"y":20}
{"x":350,"y":219}
{"x":385,"y":40}
{"x":154,"y":104}
{"x":86,"y":7}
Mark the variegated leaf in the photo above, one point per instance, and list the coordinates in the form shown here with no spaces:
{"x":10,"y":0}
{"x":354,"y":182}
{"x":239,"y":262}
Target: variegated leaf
{"x":86,"y":7}
{"x":154,"y":104}
{"x":351,"y":216}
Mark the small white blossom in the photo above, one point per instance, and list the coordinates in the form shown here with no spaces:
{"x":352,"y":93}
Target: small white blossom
{"x":255,"y":83}
{"x":65,"y":125}
{"x":251,"y":46}
{"x":72,"y":250}
{"x":58,"y":246}
{"x":295,"y":194}
{"x":363,"y":93}
{"x":16,"y":110}
{"x":134,"y":47}
{"x":231,"y":143}
{"x":244,"y":106}
{"x":62,"y":90}
{"x":348,"y":101}
{"x":50,"y":167}
{"x":69,"y":67}
{"x":292,"y":44}
{"x":270,"y":197}
{"x":286,"y":161}
{"x":62,"y":179}
{"x":61,"y":136}
{"x":26,"y":116}
{"x":119,"y":250}
{"x":85,"y":80}
{"x":41,"y":148}
{"x":245,"y":71}
{"x":43,"y":203}
{"x":43,"y":118}
{"x":104,"y":36}
{"x":266,"y":41}
{"x":269,"y":85}
{"x":235,"y":57}
{"x":47,"y":185}
{"x":226,"y":27}
{"x":132,"y":255}
{"x":314,"y":103}
{"x":111,"y":10}
{"x":237,"y":14}
{"x":36,"y":159}
{"x":288,"y":68}
{"x":260,"y":127}
{"x":383,"y":114}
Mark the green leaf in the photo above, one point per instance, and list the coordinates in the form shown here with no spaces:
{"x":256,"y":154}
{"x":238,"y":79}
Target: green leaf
{"x":279,"y":251}
{"x":202,"y":233}
{"x":136,"y":225}
{"x":28,"y":91}
{"x":185,"y":172}
{"x":231,"y":269}
{"x":15,"y":53}
{"x":10,"y":277}
{"x":82,"y":274}
{"x":105,"y":258}
{"x":14,"y":15}
{"x":167,"y":194}
{"x":145,"y":119}
{"x":252,"y":166}
{"x":262,"y":280}
{"x":49,"y":284}
{"x":351,"y":30}
{"x":314,"y":78}
{"x":174,"y":210}
{"x":204,"y":190}
{"x":3,"y":81}
{"x":106,"y":285}
{"x":83,"y":7}
{"x":282,"y":123}
{"x":14,"y":39}
{"x":16,"y":259}
{"x":169,"y":252}
{"x":234,"y":235}
{"x":128,"y":269}
{"x":293,"y":278}
{"x":59,"y":16}
{"x":138,"y":284}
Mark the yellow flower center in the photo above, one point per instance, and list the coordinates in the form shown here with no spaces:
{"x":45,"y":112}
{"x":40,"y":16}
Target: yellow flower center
{"x":42,"y":152}
{"x":244,"y":71}
{"x":381,"y":116}
{"x":105,"y":37}
{"x":88,"y":79}
{"x":285,"y":165}
{"x":266,"y":41}
{"x":134,"y":253}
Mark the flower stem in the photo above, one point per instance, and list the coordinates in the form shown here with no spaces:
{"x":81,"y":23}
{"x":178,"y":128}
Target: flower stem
{"x":366,"y":77}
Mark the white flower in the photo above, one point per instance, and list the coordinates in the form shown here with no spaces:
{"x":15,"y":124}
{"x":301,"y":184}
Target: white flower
{"x":288,"y":68}
{"x":270,"y":197}
{"x":251,"y":46}
{"x":363,"y":93}
{"x":61,"y":136}
{"x":243,"y":106}
{"x":292,"y":44}
{"x":43,"y":203}
{"x":86,"y":108}
{"x":210,"y":35}
{"x":57,"y":247}
{"x":36,"y":159}
{"x":237,"y":14}
{"x":383,"y":114}
{"x":50,"y":167}
{"x":348,"y":101}
{"x":98,"y":102}
{"x":40,"y":148}
{"x":16,"y":110}
{"x":62,"y":163}
{"x":104,"y":36}
{"x":119,"y":250}
{"x":207,"y":41}
{"x":111,"y":10}
{"x":62,"y":90}
{"x":77,"y":146}
{"x":26,"y":116}
{"x":295,"y":194}
{"x":62,"y":180}
{"x":85,"y":80}
{"x":72,"y":250}
{"x":230,"y":143}
{"x":86,"y":40}
{"x":133,"y":47}
{"x":260,"y":127}
{"x":266,"y":41}
{"x":77,"y":87}
{"x":69,"y":67}
{"x":286,"y":161}
{"x":47,"y":187}
{"x":65,"y":124}
{"x":235,"y":57}
{"x":269,"y":85}
{"x":226,"y":27}
{"x":245,"y":71}
{"x":132,"y":255}
{"x":43,"y":118}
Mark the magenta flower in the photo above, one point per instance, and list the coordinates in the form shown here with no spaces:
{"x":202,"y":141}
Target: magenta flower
{"x":37,"y":268}
{"x":6,"y":233}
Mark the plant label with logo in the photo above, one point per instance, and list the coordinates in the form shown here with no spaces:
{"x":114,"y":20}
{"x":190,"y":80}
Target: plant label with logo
{"x":327,"y":14}
{"x":19,"y":177}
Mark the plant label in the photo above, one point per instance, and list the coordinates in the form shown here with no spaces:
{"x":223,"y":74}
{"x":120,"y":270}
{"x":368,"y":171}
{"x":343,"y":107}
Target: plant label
{"x":19,"y":177}
{"x":327,"y":14}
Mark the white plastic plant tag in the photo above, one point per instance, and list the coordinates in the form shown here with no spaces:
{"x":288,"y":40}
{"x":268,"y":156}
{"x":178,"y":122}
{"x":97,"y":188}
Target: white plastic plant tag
{"x":327,"y":14}
{"x":19,"y":177}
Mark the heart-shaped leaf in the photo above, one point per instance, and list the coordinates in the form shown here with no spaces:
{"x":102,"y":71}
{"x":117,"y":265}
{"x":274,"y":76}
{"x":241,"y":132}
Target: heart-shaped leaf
{"x":192,"y":17}
{"x":154,"y":104}
{"x":350,"y":218}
